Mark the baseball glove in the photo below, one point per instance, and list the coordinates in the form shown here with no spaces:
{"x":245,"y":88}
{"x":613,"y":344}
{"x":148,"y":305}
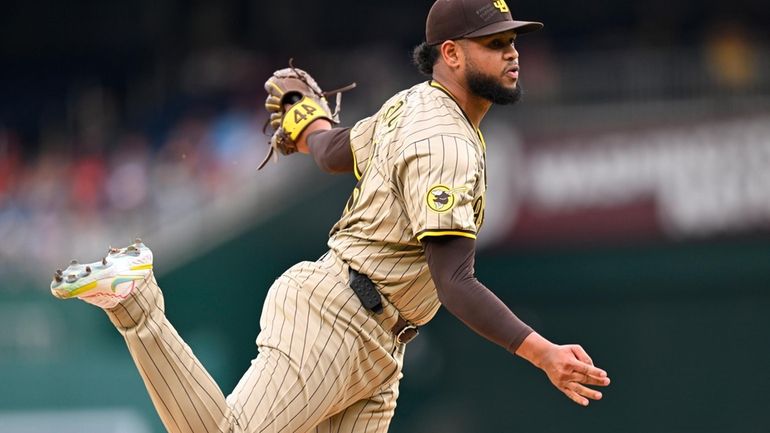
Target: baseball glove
{"x":295,"y":87}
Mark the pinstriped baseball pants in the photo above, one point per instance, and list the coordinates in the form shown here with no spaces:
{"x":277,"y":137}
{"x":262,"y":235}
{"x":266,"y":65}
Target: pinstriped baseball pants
{"x":325,"y":364}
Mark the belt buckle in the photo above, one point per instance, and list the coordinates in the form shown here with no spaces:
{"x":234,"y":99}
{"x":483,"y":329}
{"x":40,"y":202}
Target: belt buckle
{"x":407,"y":334}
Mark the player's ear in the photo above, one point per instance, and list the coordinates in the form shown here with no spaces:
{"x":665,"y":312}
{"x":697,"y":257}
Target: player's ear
{"x":452,"y":54}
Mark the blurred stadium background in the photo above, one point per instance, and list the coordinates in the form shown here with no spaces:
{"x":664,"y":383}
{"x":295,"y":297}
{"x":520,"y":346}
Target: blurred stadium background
{"x":629,"y":202}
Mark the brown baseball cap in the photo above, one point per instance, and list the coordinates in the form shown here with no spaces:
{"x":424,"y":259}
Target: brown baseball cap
{"x":457,"y":19}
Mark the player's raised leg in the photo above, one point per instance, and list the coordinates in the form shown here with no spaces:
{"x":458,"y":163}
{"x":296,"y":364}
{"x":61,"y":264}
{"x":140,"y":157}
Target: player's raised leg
{"x":184,"y":394}
{"x":320,"y":351}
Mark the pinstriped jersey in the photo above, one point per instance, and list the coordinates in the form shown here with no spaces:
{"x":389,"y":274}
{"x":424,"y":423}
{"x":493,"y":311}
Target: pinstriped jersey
{"x":420,"y":166}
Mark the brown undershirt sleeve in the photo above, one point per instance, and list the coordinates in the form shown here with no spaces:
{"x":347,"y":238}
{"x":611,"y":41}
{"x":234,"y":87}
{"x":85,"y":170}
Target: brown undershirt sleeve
{"x":331,"y":150}
{"x":450,"y":260}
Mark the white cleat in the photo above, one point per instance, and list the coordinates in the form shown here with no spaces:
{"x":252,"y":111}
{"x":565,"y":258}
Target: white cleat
{"x":107,"y":282}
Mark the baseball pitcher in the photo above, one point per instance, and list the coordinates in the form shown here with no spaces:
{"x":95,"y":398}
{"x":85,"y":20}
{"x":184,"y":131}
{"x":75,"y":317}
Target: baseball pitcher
{"x":334,"y":331}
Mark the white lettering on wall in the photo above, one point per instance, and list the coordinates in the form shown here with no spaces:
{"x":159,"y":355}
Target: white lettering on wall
{"x":706,"y":179}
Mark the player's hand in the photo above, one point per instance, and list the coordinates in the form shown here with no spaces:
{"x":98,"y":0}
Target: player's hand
{"x":568,"y":367}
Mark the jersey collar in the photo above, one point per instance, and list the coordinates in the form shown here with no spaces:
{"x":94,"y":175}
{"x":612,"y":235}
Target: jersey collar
{"x":437,"y":85}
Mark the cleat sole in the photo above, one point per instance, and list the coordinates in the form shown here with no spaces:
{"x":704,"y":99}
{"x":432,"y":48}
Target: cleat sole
{"x":107,"y":281}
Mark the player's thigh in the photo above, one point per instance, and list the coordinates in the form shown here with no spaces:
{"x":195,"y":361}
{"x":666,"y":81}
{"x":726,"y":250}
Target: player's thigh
{"x":275,"y":396}
{"x":371,"y":415}
{"x":299,"y":376}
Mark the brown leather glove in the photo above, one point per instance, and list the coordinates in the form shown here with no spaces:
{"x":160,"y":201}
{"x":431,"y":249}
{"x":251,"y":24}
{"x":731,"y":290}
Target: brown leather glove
{"x":306,"y":103}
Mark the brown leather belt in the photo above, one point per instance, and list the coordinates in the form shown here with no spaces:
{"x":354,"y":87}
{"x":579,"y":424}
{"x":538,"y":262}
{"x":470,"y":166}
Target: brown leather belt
{"x":371,"y":299}
{"x":404,"y":331}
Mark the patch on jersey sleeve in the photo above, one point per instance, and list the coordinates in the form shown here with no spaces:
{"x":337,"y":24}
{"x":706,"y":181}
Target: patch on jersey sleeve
{"x":441,"y":198}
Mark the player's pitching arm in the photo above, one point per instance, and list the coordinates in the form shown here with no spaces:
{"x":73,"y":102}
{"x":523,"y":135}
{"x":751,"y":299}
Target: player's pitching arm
{"x":568,"y":367}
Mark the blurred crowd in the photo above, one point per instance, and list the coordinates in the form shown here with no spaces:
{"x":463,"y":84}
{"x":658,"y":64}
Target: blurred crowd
{"x":82,"y":184}
{"x":159,"y":129}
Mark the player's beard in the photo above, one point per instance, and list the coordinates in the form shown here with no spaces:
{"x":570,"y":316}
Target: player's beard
{"x":489,"y":88}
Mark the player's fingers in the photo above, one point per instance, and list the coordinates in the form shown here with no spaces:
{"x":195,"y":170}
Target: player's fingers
{"x":581,"y":354}
{"x":587,"y":369}
{"x":275,"y":120}
{"x":272,"y":88}
{"x":584,"y":391}
{"x":272,"y":103}
{"x":588,"y":380}
{"x":577,"y":398}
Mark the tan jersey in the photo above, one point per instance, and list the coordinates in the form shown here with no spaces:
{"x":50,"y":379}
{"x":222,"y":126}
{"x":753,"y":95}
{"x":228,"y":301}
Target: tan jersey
{"x":420,"y":165}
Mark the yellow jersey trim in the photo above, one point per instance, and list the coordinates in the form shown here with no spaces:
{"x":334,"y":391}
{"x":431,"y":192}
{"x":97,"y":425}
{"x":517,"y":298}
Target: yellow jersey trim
{"x":438,"y":85}
{"x":445,"y":233}
{"x":483,"y":142}
{"x":356,"y":173}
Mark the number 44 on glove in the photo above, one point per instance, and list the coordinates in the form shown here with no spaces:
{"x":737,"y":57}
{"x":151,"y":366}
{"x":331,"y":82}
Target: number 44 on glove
{"x":294,"y":101}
